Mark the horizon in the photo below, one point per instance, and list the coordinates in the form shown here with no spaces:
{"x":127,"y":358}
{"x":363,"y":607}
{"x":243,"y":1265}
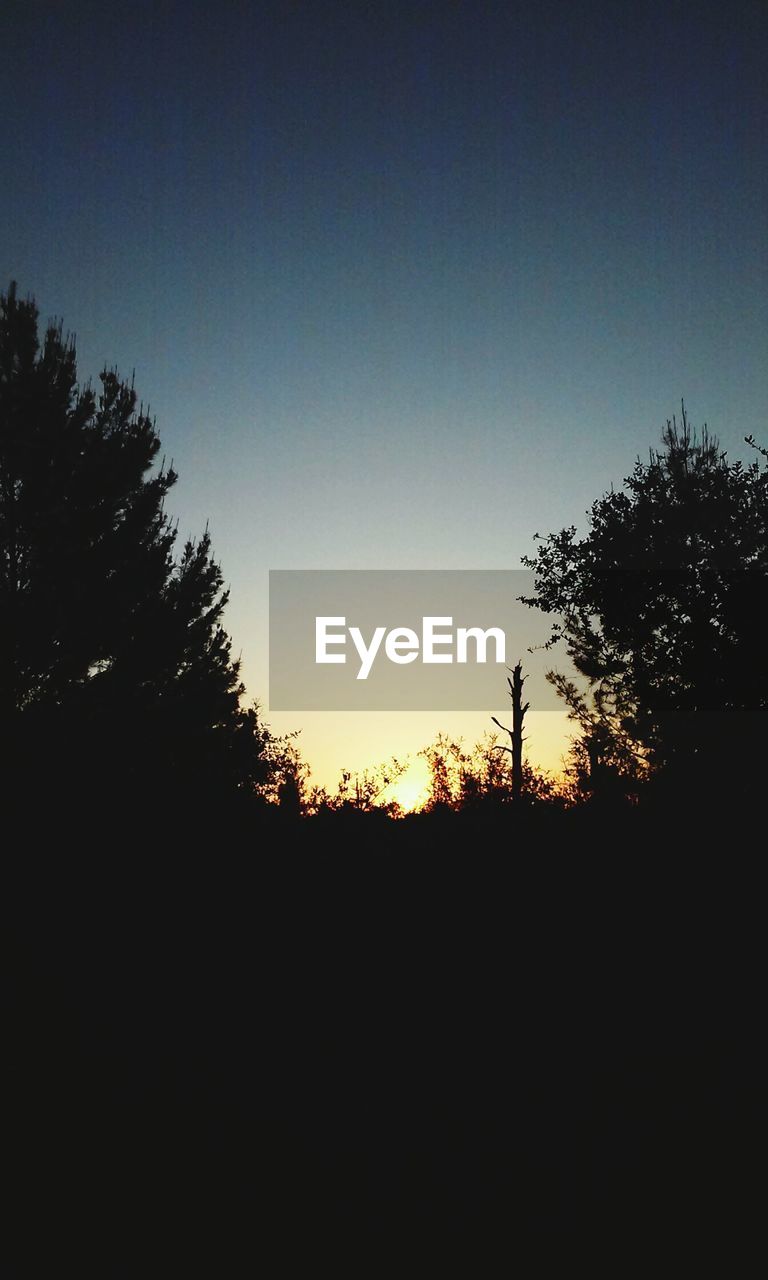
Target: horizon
{"x":403,"y":287}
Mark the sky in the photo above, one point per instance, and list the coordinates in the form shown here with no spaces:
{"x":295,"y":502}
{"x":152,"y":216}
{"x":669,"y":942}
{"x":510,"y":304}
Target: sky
{"x":402,"y":283}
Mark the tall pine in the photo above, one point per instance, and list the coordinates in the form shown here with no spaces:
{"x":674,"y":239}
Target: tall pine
{"x":116,"y":673}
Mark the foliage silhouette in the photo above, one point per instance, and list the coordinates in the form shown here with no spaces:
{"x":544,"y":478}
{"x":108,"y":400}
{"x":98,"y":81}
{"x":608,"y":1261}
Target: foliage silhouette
{"x":365,"y":792}
{"x":436,"y":1035}
{"x":481,"y":779}
{"x":660,"y":607}
{"x":603,"y":765}
{"x":115,"y":668}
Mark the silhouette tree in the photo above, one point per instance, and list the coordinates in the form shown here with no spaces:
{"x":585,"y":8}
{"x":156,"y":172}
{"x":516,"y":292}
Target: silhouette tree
{"x":516,"y":731}
{"x":660,"y":607}
{"x":481,"y":777}
{"x":365,"y":792}
{"x":448,"y":768}
{"x":604,"y":765}
{"x":115,"y":669}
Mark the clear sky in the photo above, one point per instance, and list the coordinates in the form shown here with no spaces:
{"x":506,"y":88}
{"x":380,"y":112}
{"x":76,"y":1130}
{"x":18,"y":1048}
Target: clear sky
{"x":403,"y":283}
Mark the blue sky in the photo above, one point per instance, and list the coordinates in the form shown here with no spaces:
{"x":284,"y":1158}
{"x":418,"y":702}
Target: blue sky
{"x":402,"y":283}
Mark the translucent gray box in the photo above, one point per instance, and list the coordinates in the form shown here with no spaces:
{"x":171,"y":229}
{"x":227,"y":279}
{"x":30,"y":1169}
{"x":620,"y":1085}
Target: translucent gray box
{"x":476,"y":602}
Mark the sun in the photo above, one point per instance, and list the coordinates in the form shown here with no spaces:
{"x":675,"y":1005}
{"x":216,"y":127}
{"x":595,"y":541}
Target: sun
{"x":411,"y":790}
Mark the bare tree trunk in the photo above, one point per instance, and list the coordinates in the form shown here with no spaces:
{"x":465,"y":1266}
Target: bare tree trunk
{"x":518,"y":715}
{"x":519,"y":709}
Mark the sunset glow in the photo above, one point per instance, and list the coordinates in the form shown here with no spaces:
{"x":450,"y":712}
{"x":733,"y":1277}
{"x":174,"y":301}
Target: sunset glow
{"x":416,"y":286}
{"x":412,"y":789}
{"x":383,"y":680}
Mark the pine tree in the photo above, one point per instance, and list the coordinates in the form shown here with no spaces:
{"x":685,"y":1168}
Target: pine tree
{"x":116,"y":672}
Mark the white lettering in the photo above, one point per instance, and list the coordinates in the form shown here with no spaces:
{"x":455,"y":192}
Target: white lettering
{"x":323,"y":639}
{"x":368,"y":654}
{"x":401,"y":644}
{"x":402,"y":650}
{"x":480,"y":638}
{"x":431,"y":638}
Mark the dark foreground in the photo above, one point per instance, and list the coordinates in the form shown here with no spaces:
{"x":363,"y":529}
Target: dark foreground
{"x":380,"y":1050}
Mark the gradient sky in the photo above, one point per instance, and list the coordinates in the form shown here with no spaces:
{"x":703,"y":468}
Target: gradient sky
{"x":403,"y":283}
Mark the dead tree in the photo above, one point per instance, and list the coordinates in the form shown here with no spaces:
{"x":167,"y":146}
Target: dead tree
{"x":516,"y":731}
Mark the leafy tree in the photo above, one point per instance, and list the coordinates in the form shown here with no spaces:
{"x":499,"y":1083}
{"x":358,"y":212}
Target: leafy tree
{"x":604,"y":764}
{"x":115,"y":669}
{"x":447,"y":762}
{"x":661,"y":605}
{"x":288,"y":782}
{"x":364,"y":792}
{"x":479,"y":778}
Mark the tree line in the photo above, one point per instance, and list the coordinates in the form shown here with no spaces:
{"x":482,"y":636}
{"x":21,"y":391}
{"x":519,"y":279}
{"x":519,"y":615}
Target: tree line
{"x":117,"y":677}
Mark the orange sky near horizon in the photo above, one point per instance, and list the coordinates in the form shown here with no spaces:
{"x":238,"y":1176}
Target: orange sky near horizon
{"x":334,"y":741}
